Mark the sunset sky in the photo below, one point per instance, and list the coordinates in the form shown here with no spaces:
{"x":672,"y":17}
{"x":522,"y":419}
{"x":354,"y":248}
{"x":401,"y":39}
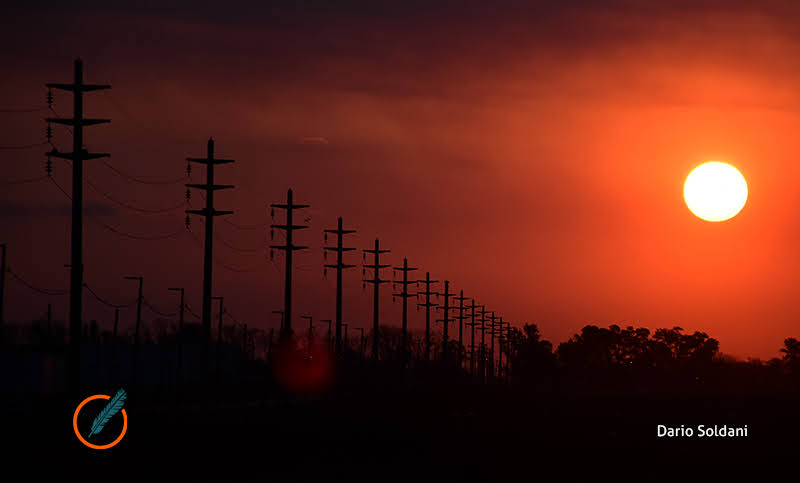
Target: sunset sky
{"x":532,"y":155}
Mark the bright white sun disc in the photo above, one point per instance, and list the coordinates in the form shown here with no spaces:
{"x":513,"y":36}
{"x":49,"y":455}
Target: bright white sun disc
{"x":715,"y":191}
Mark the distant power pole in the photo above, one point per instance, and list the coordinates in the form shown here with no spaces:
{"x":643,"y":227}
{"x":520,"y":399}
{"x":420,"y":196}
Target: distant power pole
{"x":78,"y":155}
{"x":427,"y":304}
{"x":138,"y":324}
{"x":508,"y":351}
{"x":472,"y":323}
{"x":482,"y":347}
{"x":405,"y":296}
{"x":289,"y":248}
{"x":339,"y":266}
{"x":376,"y":281}
{"x":208,"y":212}
{"x":492,"y":333}
{"x":460,"y":318}
{"x":445,"y":320}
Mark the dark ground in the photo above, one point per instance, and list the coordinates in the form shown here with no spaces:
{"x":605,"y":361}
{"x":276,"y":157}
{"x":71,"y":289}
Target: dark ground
{"x":416,"y":431}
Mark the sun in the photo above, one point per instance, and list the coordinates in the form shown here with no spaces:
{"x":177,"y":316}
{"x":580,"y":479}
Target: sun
{"x":715,"y":191}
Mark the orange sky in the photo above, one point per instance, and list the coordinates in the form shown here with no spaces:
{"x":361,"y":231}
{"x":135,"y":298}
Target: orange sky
{"x":533,"y":156}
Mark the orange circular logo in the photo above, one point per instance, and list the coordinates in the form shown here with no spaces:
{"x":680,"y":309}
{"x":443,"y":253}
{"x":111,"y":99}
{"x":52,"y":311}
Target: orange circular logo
{"x":78,"y":433}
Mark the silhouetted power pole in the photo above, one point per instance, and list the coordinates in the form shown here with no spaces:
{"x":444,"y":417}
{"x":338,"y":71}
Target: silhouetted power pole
{"x":492,"y":333}
{"x":339,"y":266}
{"x":289,"y":248}
{"x":180,"y":332}
{"x":138,"y":324}
{"x":460,"y":318}
{"x":508,"y":351}
{"x":482,"y":346}
{"x":446,"y":320}
{"x":427,"y":304}
{"x":376,"y":282}
{"x":78,"y":155}
{"x":208,"y":212}
{"x":405,"y":295}
{"x":472,"y":323}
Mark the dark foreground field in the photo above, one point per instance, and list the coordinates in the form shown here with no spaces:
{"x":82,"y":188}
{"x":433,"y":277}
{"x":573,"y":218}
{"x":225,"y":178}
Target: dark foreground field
{"x":416,"y":431}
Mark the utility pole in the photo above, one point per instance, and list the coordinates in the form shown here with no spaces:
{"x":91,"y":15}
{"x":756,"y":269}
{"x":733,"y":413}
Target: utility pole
{"x":208,"y":212}
{"x":482,"y":347}
{"x":460,"y":318}
{"x":446,"y":319}
{"x":180,"y":332}
{"x":427,"y":304}
{"x":279,"y":312}
{"x":138,"y":324}
{"x":345,"y":340}
{"x":362,"y":343}
{"x":339,"y":266}
{"x":2,"y":290}
{"x":310,"y":320}
{"x":376,"y":281}
{"x":78,"y":155}
{"x":492,"y":333}
{"x":499,"y":331}
{"x":508,"y":351}
{"x":289,"y":248}
{"x":472,"y":323}
{"x":405,"y":296}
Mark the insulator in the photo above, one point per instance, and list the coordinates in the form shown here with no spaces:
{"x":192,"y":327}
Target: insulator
{"x":271,"y":254}
{"x":49,"y":98}
{"x":364,"y":271}
{"x":393,"y":300}
{"x":48,"y":166}
{"x":363,"y":286}
{"x":272,"y":212}
{"x":188,"y":221}
{"x":325,"y":273}
{"x":188,"y":169}
{"x":271,"y":234}
{"x":49,"y":132}
{"x":188,"y":194}
{"x":364,"y":257}
{"x":326,"y":236}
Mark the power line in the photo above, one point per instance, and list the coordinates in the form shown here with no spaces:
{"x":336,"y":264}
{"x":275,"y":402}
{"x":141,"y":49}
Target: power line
{"x":131,"y":207}
{"x":158,"y":312}
{"x":24,"y":146}
{"x":118,"y":231}
{"x":104,"y":301}
{"x":143,"y":181}
{"x":23,"y":181}
{"x":245,"y":227}
{"x":43,"y":291}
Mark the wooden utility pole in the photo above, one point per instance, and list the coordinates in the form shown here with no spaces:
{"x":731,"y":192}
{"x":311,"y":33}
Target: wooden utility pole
{"x":180,"y":333}
{"x":472,"y":323}
{"x":428,"y":304}
{"x":405,"y":295}
{"x":376,"y":281}
{"x":78,"y":155}
{"x":446,"y":320}
{"x":460,"y":318}
{"x":208,"y":212}
{"x":492,"y":333}
{"x":340,"y":266}
{"x":482,"y":347}
{"x":289,"y":248}
{"x":138,"y":325}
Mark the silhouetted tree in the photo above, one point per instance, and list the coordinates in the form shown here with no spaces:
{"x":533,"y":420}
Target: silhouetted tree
{"x":530,"y":354}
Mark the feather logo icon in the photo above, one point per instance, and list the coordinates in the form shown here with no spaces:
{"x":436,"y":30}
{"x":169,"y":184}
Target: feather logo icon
{"x":114,"y":406}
